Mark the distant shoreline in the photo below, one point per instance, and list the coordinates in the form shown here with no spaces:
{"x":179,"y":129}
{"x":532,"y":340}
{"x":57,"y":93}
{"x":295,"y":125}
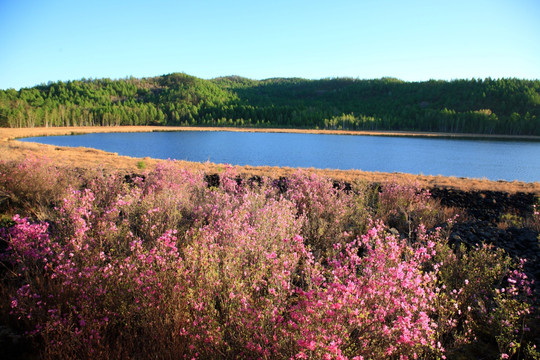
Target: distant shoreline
{"x":81,"y":157}
{"x":17,"y":133}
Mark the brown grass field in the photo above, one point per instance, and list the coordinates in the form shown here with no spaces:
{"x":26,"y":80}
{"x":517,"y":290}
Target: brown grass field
{"x":11,"y":149}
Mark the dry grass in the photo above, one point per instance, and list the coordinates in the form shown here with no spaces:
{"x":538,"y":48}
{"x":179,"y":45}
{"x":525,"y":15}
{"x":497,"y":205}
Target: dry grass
{"x":10,"y":149}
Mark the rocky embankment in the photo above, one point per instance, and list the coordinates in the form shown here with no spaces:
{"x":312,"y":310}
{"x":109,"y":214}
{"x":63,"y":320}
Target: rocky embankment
{"x":486,"y":205}
{"x":484,"y":212}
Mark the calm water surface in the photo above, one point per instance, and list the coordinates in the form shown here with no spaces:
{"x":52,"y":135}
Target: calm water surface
{"x":491,"y":159}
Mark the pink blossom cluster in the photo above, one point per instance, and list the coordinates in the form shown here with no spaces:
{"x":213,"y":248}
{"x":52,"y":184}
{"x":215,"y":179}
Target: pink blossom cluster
{"x":164,"y":266}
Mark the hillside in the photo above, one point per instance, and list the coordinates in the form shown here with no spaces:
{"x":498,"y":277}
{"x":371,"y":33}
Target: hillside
{"x":489,"y":106}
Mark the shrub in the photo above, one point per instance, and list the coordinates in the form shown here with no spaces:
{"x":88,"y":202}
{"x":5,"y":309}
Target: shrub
{"x":32,"y":185}
{"x":484,"y":299}
{"x":83,"y":295}
{"x":169,"y":198}
{"x":239,"y":270}
{"x":405,"y":206}
{"x":509,"y":220}
{"x":141,"y":165}
{"x":329,"y":214}
{"x":536,"y":217}
{"x":374,"y":306}
{"x":161,"y":266}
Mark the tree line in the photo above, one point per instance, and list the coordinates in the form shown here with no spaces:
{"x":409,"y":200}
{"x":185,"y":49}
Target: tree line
{"x":482,"y":106}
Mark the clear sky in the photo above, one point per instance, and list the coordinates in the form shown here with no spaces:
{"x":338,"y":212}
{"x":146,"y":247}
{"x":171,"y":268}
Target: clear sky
{"x":412,"y":40}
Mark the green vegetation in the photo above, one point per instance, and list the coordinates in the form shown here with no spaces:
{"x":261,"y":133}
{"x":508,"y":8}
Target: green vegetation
{"x":141,"y":165}
{"x":489,"y":106}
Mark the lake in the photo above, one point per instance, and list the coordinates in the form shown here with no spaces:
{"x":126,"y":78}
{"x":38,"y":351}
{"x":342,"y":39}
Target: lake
{"x":490,"y":159}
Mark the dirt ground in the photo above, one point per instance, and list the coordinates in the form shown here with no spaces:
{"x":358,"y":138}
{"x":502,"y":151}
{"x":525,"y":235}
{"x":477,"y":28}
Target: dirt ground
{"x":11,"y":149}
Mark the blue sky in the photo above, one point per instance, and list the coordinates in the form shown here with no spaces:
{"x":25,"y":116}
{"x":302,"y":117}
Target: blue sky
{"x":411,"y":40}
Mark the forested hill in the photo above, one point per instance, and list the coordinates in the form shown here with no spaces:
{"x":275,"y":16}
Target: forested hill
{"x":489,"y":106}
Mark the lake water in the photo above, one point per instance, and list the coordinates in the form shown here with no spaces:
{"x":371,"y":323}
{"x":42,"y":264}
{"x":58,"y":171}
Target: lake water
{"x":491,"y":159}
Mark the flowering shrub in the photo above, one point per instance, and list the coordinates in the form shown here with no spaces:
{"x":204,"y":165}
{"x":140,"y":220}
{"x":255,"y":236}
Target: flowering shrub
{"x":483,"y":298}
{"x":239,"y":270}
{"x":373,"y":306}
{"x":162,"y":266}
{"x":80,"y":287}
{"x":405,"y":206}
{"x":329,"y":214}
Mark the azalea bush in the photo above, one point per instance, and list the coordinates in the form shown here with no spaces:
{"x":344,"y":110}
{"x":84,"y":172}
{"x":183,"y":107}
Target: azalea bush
{"x":160,"y":265}
{"x":405,"y":206}
{"x":485,"y":302}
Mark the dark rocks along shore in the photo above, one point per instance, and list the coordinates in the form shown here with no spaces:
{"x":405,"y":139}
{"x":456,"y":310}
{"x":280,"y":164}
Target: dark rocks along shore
{"x":484,"y":212}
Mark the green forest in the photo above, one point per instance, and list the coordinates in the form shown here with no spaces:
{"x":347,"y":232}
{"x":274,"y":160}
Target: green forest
{"x":482,"y":106}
